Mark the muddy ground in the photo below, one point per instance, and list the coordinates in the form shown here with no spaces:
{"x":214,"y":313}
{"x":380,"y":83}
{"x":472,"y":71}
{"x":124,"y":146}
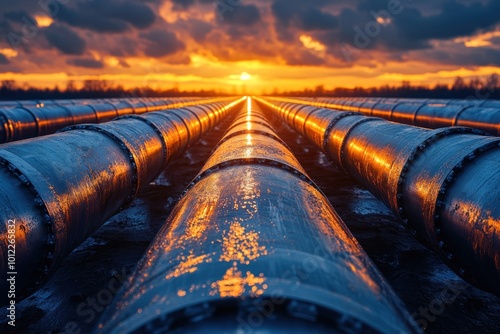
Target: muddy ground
{"x":437,"y":298}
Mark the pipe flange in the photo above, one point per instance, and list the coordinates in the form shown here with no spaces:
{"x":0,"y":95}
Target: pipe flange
{"x":301,"y":106}
{"x":330,"y":127}
{"x":43,"y":271}
{"x":251,"y":161}
{"x":294,"y":308}
{"x":436,"y":136}
{"x":448,"y":181}
{"x":303,"y":130}
{"x":346,"y":136}
{"x":157,"y":130}
{"x":125,"y":149}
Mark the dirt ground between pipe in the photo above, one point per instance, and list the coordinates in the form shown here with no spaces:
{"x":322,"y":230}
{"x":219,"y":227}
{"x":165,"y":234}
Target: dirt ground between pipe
{"x":437,"y":298}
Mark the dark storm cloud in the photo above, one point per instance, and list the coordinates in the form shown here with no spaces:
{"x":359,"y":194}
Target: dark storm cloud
{"x":17,"y":16}
{"x":291,"y":14}
{"x":256,"y":29}
{"x":65,"y":40}
{"x":3,"y":59}
{"x":160,"y":43}
{"x":314,"y":19}
{"x":199,"y":30}
{"x":303,"y":58}
{"x":454,"y":20}
{"x":110,"y":16}
{"x":242,"y":15}
{"x":463,"y":56}
{"x":182,"y":5}
{"x":85,"y":62}
{"x":412,"y":26}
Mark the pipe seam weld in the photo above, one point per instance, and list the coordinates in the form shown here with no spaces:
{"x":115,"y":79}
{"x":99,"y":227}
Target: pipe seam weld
{"x":188,"y":109}
{"x":155,"y":128}
{"x":35,"y":117}
{"x":257,"y":132}
{"x":392,"y":109}
{"x":129,"y":154}
{"x":312,"y":111}
{"x":253,"y":122}
{"x":448,"y":181}
{"x":6,"y":128}
{"x":183,"y":121}
{"x":251,"y":161}
{"x":296,"y":111}
{"x":458,"y":114}
{"x":346,"y":138}
{"x":6,"y":160}
{"x":330,"y":127}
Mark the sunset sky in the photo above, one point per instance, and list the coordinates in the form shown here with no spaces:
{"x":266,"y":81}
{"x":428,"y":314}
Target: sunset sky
{"x":250,"y":46}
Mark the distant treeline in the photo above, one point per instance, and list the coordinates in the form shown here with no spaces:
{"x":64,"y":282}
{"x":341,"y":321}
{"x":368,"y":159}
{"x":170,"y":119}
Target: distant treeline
{"x":474,"y":88}
{"x":91,"y":89}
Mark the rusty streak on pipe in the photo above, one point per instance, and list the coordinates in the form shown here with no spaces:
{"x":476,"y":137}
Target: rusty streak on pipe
{"x":27,"y":122}
{"x":60,"y":188}
{"x":444,"y":183}
{"x":254,"y":246}
{"x":432,"y":114}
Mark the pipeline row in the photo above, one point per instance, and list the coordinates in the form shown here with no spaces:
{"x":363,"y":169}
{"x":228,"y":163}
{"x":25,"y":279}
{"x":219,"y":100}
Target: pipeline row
{"x":480,"y":101}
{"x":443,"y":184}
{"x":27,"y":122}
{"x":432,"y":114}
{"x":65,"y":102}
{"x":59,"y":189}
{"x":254,"y":246}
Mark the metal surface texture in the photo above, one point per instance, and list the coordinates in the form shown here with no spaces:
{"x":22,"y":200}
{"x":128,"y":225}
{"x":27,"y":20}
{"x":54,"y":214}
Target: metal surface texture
{"x":22,"y":122}
{"x":254,"y":247}
{"x":443,"y":183}
{"x":433,"y":114}
{"x":60,"y":188}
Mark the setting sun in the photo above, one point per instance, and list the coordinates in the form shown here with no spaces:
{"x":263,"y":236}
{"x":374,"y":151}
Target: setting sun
{"x":245,"y":76}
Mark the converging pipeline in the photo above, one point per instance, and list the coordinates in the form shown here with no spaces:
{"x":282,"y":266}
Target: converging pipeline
{"x":432,"y":114}
{"x":444,"y":184}
{"x":60,"y":188}
{"x":254,"y":245}
{"x":27,"y":122}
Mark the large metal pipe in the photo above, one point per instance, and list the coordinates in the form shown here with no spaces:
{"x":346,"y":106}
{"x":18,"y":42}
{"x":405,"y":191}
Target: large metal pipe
{"x":431,"y":114}
{"x":27,"y":122}
{"x":475,"y":102}
{"x":444,"y":184}
{"x":254,"y":246}
{"x":60,"y":188}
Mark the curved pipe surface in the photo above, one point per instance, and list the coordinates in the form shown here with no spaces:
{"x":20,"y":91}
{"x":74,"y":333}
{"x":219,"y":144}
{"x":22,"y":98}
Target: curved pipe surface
{"x":254,"y":239}
{"x":432,"y":114}
{"x":58,"y":189}
{"x":442,"y":183}
{"x":27,"y":122}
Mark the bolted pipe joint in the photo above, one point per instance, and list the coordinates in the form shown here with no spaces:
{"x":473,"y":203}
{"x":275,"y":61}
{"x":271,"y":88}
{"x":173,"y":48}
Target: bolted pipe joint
{"x":442,"y":183}
{"x":60,"y":188}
